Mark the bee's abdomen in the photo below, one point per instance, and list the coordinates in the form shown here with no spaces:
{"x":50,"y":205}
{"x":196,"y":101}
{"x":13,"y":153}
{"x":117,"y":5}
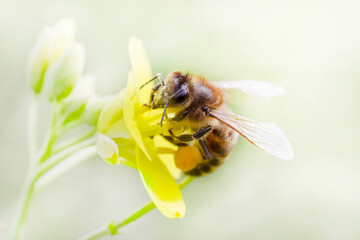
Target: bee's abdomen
{"x":206,"y":166}
{"x":220,"y":143}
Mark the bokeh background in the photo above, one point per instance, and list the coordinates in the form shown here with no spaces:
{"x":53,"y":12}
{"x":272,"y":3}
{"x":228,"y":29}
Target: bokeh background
{"x":311,"y":48}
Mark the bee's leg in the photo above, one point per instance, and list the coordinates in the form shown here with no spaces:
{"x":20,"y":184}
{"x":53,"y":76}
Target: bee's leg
{"x":155,"y":77}
{"x":199,"y":134}
{"x":174,"y":141}
{"x":153,"y":91}
{"x":180,"y":116}
{"x":161,"y":78}
{"x":205,"y":149}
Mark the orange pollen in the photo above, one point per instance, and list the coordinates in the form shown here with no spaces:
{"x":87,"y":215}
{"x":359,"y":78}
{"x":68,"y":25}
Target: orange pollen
{"x":187,"y":158}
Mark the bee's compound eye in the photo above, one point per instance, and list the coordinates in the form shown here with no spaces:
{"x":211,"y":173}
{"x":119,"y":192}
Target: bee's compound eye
{"x":181,"y":95}
{"x":187,"y":158}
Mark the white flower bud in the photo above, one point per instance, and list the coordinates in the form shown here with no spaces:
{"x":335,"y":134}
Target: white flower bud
{"x":39,"y":60}
{"x":64,"y":36}
{"x":63,"y":74}
{"x":51,"y":44}
{"x":74,"y":104}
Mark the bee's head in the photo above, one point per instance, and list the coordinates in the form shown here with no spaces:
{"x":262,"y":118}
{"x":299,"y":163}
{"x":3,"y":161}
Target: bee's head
{"x":175,"y":90}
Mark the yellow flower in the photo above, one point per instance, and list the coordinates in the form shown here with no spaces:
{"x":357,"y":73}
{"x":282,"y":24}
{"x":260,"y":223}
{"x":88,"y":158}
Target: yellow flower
{"x":129,"y":133}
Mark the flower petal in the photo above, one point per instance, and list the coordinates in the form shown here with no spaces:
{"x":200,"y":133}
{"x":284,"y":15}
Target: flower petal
{"x":141,"y":68}
{"x":130,"y":107}
{"x":160,"y":185}
{"x":112,"y":112}
{"x":118,"y":130}
{"x":107,"y":149}
{"x":117,"y":150}
{"x":84,"y":88}
{"x":93,"y":108}
{"x":168,"y":159}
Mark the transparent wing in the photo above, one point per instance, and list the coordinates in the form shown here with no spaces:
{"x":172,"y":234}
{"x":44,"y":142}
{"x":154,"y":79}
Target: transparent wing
{"x":266,"y":136}
{"x":251,"y":92}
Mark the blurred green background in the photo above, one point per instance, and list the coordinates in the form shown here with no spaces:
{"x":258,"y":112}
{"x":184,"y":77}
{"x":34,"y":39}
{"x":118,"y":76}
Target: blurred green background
{"x":311,"y":48}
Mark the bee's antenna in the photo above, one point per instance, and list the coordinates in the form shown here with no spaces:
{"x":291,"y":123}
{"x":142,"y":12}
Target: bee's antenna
{"x":162,"y":118}
{"x":155,"y":77}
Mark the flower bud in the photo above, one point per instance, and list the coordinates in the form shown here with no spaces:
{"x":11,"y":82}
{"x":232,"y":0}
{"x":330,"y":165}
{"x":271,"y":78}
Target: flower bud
{"x":63,"y":74}
{"x":51,"y":44}
{"x":39,"y":60}
{"x":74,"y":105}
{"x":93,"y":109}
{"x":64,"y":36}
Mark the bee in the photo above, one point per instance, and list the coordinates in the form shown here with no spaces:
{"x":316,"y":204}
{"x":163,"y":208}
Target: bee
{"x":203,"y":125}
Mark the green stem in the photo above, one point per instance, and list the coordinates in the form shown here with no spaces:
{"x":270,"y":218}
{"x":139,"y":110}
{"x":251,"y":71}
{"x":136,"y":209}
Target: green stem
{"x":50,"y":137}
{"x":54,"y":160}
{"x":105,"y":231}
{"x":113,"y":227}
{"x":42,"y":163}
{"x":23,"y":204}
{"x":28,"y":187}
{"x":145,"y":209}
{"x":65,"y":164}
{"x":32,"y":128}
{"x":68,"y":126}
{"x":73,"y":141}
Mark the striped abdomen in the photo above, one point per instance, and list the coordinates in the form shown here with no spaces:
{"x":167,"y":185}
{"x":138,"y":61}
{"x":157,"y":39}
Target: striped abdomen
{"x":220,"y":141}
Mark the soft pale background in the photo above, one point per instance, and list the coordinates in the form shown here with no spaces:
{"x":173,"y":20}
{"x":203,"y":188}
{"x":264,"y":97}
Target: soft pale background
{"x":310,"y":47}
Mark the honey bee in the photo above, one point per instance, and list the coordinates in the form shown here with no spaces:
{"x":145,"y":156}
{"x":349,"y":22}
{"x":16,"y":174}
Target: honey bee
{"x":205,"y":128}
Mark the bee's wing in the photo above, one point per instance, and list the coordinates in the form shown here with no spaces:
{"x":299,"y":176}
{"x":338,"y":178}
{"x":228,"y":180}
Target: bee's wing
{"x":250,"y":91}
{"x":266,"y":136}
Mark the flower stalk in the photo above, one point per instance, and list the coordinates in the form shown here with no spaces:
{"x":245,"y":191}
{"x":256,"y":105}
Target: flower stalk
{"x":32,"y":127}
{"x":50,"y":137}
{"x":55,"y":65}
{"x":113,"y":227}
{"x":44,"y":161}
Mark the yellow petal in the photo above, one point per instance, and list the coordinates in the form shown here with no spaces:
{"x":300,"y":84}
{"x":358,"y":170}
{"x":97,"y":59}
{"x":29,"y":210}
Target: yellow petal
{"x":168,"y":159}
{"x":139,"y":61}
{"x":126,"y":151}
{"x":93,"y":108}
{"x":118,"y":130}
{"x":107,"y":149}
{"x":112,"y":112}
{"x":160,"y":185}
{"x":117,"y":150}
{"x":141,"y":68}
{"x":130,"y":108}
